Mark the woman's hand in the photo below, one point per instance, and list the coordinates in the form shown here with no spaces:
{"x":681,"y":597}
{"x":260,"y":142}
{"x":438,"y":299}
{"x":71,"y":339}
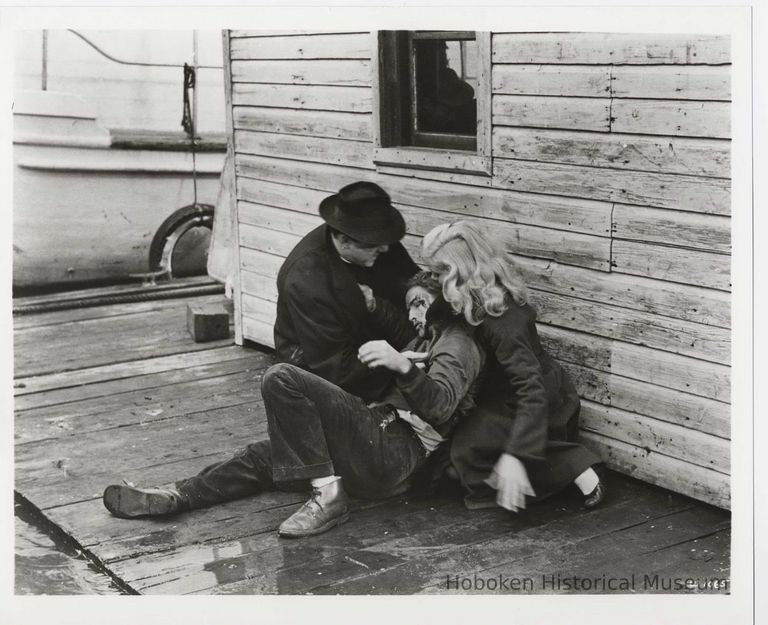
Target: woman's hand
{"x":419,"y":359}
{"x":382,"y":354}
{"x":510,"y":479}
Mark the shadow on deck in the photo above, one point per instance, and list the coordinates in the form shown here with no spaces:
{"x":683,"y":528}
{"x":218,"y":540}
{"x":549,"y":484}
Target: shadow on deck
{"x":122,"y":391}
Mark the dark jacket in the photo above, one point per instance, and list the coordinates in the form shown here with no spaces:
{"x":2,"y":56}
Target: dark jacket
{"x":321,"y":315}
{"x":444,"y":390}
{"x":526,"y":384}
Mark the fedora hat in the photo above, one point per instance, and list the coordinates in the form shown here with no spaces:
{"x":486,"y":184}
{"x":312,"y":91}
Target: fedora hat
{"x":363,"y":211}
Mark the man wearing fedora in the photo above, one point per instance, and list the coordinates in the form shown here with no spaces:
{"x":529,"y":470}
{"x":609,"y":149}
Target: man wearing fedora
{"x":328,"y":398}
{"x":322,"y":316}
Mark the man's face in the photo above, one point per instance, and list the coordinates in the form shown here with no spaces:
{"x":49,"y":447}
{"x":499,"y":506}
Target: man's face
{"x":362,"y":254}
{"x":418,"y":300}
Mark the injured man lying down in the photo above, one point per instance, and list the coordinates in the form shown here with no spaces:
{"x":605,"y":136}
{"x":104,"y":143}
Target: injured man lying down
{"x":335,"y":444}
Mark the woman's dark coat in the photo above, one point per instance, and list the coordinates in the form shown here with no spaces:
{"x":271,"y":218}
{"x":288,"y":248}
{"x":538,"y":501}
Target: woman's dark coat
{"x":527,"y":385}
{"x":528,"y":408}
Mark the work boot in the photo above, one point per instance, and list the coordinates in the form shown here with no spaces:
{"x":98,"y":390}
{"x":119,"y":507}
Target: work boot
{"x":325,"y":509}
{"x":129,"y":502}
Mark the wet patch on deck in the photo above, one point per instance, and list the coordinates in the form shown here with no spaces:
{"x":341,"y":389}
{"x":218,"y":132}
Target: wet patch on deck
{"x":122,"y":391}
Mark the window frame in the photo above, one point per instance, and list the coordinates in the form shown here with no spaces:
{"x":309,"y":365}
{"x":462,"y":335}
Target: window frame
{"x":394,"y":158}
{"x":422,"y":138}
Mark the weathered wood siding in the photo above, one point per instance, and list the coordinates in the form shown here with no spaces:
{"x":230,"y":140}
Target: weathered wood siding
{"x":610,"y":185}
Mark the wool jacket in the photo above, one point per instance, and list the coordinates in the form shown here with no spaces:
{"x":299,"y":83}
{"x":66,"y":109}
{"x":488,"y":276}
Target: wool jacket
{"x":444,"y":390}
{"x":526,"y":384}
{"x":321,"y":314}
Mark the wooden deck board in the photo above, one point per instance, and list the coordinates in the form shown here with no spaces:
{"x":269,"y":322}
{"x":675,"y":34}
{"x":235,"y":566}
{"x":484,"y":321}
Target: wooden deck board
{"x":110,"y":388}
{"x":129,"y":395}
{"x":258,"y":558}
{"x":103,"y":340}
{"x":56,"y":470}
{"x":137,"y":406}
{"x":527,"y":538}
{"x":104,"y":373}
{"x":73,"y":315}
{"x":613,"y":553}
{"x":407,"y":547}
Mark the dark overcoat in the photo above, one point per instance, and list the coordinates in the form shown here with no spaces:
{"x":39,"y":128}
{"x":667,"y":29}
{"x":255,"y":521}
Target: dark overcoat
{"x":528,"y":408}
{"x":321,"y":314}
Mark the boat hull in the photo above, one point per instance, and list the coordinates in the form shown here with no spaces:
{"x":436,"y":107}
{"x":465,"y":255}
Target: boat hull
{"x":87,"y":211}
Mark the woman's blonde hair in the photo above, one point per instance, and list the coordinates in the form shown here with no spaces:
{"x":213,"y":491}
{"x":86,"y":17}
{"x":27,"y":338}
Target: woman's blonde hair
{"x":474,"y":270}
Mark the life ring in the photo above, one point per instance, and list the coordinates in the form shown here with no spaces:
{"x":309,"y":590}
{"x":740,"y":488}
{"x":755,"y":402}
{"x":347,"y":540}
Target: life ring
{"x":180,"y":245}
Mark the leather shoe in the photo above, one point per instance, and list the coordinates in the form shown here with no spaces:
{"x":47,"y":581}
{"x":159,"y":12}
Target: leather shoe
{"x":128,"y":502}
{"x":480,"y":503}
{"x":595,"y":498}
{"x":324,"y":510}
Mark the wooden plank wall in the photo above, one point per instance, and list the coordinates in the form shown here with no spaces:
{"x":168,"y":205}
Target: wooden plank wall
{"x":610,"y":186}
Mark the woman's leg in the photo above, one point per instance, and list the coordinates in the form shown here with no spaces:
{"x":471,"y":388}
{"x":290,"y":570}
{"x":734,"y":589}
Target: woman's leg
{"x":476,"y":445}
{"x":479,"y":440}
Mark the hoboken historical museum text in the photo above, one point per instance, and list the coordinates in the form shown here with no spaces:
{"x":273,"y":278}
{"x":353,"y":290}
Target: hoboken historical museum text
{"x":556,"y":582}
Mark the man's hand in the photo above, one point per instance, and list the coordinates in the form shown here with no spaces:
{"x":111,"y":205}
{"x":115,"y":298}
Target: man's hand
{"x":510,"y":479}
{"x":382,"y":354}
{"x":370,"y":300}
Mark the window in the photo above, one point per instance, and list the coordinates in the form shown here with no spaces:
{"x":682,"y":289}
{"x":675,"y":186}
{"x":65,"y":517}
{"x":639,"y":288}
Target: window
{"x":432,"y":109}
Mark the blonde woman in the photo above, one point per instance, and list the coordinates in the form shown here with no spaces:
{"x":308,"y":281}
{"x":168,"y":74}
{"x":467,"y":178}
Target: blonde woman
{"x":520,"y":440}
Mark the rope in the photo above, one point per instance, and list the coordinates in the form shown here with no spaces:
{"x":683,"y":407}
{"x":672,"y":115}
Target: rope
{"x":41,"y":307}
{"x":188,"y":122}
{"x":139,"y":63}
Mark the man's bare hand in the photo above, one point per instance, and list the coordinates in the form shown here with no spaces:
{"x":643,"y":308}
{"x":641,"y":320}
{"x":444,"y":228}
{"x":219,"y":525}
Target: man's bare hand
{"x":382,"y":354}
{"x":510,"y":479}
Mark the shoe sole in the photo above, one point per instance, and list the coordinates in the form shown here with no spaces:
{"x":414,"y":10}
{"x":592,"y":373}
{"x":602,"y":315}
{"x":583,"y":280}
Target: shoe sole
{"x":480,"y":504}
{"x":598,"y":502}
{"x":130,"y":503}
{"x":318,"y":530}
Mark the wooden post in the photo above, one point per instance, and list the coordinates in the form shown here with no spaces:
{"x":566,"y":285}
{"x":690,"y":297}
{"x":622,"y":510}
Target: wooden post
{"x":236,"y":286}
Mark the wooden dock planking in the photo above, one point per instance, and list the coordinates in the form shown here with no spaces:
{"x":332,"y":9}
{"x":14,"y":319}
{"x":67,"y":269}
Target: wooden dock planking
{"x":81,"y":463}
{"x":260,"y":557}
{"x":137,"y":406}
{"x":702,"y":558}
{"x":436,"y":533}
{"x":612,"y":553}
{"x":122,"y":540}
{"x":150,"y":411}
{"x":57,"y":317}
{"x":109,"y":339}
{"x":108,"y":388}
{"x":104,"y":373}
{"x":521,"y":536}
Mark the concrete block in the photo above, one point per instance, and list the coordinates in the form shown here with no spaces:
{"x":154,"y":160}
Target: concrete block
{"x":208,"y":322}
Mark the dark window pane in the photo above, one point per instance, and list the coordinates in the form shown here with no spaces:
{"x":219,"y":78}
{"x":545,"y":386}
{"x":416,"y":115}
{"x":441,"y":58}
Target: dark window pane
{"x":445,"y":81}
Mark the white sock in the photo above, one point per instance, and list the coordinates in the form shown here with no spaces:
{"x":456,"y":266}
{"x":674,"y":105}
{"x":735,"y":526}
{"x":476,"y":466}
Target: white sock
{"x":319,"y":482}
{"x":587,"y":481}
